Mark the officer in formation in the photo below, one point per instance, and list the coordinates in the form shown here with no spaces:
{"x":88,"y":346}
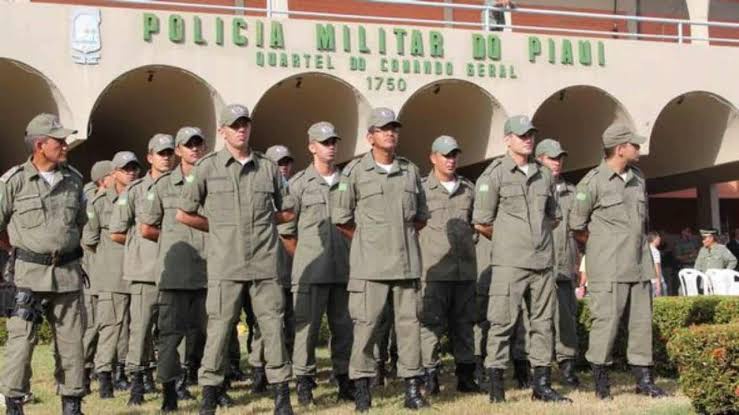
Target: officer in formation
{"x":712,"y":254}
{"x":434,"y":254}
{"x":609,"y":215}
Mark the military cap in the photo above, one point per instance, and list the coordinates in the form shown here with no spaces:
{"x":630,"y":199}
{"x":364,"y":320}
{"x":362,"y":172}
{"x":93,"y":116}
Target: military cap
{"x":444,"y":145}
{"x":381,"y":117}
{"x":709,"y":231}
{"x":518,"y":125}
{"x":186,"y":133}
{"x":100,"y":170}
{"x":278,"y":152}
{"x":621,"y":134}
{"x":161,"y":142}
{"x":550,"y":148}
{"x":123,"y":158}
{"x":233,"y":112}
{"x":322,"y":131}
{"x":48,"y":125}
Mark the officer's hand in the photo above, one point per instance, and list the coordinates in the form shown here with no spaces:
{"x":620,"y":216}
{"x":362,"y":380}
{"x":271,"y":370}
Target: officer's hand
{"x":419,"y":224}
{"x":284,"y":216}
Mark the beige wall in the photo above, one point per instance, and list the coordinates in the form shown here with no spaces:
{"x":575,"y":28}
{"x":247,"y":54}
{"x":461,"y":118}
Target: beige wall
{"x":638,"y":83}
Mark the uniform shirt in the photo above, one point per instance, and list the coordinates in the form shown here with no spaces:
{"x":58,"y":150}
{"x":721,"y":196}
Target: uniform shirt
{"x":522,"y":210}
{"x":181,"y":261}
{"x":240,"y":204}
{"x":107,"y":263}
{"x":447,"y":243}
{"x":688,"y":248}
{"x":715,"y":257}
{"x":565,"y":247}
{"x":322,"y":254}
{"x":90,"y":190}
{"x":614,"y":212}
{"x":141,"y":254}
{"x":384,"y":206}
{"x":43,"y":219}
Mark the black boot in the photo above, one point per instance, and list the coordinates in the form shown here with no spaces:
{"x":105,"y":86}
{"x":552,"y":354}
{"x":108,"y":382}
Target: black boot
{"x":224,"y":400}
{"x":235,"y":374}
{"x":137,"y":389}
{"x":432,"y":381}
{"x":542,"y":389}
{"x":191,"y":375}
{"x":645,"y":383}
{"x":497,"y":387}
{"x":181,"y":389}
{"x":259,"y":381}
{"x":362,"y":395}
{"x":120,"y":382}
{"x":602,"y":386}
{"x":413,"y":397}
{"x":522,"y":373}
{"x":346,"y":388}
{"x":210,"y":400}
{"x":71,"y":405}
{"x":567,"y":368}
{"x":380,"y":375}
{"x":466,"y":378}
{"x":149,"y":385}
{"x":14,"y":406}
{"x":304,"y":388}
{"x":106,"y":385}
{"x":86,"y":381}
{"x":479,"y":370}
{"x":282,"y":399}
{"x":169,"y":396}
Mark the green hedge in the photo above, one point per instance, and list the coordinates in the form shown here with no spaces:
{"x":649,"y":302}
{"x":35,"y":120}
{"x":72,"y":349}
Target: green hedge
{"x":708,"y":360}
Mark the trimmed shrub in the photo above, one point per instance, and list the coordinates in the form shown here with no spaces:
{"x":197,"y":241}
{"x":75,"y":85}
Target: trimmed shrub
{"x":708,"y":360}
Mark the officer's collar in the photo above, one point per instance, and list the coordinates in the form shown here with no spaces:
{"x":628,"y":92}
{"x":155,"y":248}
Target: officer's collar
{"x":312,"y":174}
{"x":225,"y":157}
{"x":176,"y":176}
{"x":609,"y":173}
{"x":434,"y":182}
{"x":369,"y":163}
{"x":511,"y":165}
{"x":111,"y":194}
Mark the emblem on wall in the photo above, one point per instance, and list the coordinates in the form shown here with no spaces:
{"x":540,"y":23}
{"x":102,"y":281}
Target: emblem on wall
{"x":84,"y":36}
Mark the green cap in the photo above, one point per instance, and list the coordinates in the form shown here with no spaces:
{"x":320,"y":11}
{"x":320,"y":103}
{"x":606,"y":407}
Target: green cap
{"x":233,"y":112}
{"x":48,"y":125}
{"x":621,"y":134}
{"x":550,"y":148}
{"x":322,"y":131}
{"x":186,"y":133}
{"x":381,"y":117}
{"x":710,"y":231}
{"x":444,"y":145}
{"x":100,"y":170}
{"x":518,"y":125}
{"x":278,"y":152}
{"x":161,"y":142}
{"x":123,"y":158}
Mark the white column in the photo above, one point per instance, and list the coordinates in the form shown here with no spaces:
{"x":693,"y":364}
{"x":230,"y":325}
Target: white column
{"x":698,"y":10}
{"x":708,"y":206}
{"x":280,"y":5}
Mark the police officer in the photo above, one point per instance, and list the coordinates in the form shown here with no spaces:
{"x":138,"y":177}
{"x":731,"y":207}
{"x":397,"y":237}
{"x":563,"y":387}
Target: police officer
{"x":42,"y":211}
{"x":240,"y":193}
{"x":610,"y":214}
{"x":712,"y":254}
{"x":381,"y":206}
{"x":321,"y":266}
{"x":550,"y":153}
{"x":180,"y":270}
{"x":516,"y":208}
{"x":107,"y":269}
{"x":449,"y":268}
{"x":140,"y":262}
{"x":101,"y":177}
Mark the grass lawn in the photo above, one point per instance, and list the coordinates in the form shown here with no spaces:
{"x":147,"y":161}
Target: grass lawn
{"x":385,"y":401}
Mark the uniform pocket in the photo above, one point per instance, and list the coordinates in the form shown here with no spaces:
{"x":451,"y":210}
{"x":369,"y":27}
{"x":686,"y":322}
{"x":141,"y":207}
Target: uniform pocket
{"x":499,"y":304}
{"x":357,"y":304}
{"x":601,"y":299}
{"x":513,"y":200}
{"x":410,"y":200}
{"x":30,"y":211}
{"x":313,"y":210}
{"x":301,"y":303}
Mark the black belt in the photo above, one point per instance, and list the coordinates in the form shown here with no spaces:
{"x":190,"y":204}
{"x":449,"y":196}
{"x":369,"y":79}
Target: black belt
{"x":54,"y":259}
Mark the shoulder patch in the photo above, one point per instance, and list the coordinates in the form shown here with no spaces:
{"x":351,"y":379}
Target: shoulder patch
{"x":346,"y":171}
{"x":592,"y":173}
{"x":10,"y":173}
{"x":581,"y":196}
{"x":206,"y":157}
{"x":296,"y":177}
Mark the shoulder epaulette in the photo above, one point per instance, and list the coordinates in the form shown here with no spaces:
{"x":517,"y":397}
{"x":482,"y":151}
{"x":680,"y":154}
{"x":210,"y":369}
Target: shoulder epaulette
{"x":134,"y":183}
{"x":296,"y":176}
{"x":466,"y":181}
{"x":637,"y":171}
{"x":97,"y":196}
{"x":586,"y":179}
{"x":10,"y":173}
{"x":167,"y":174}
{"x":75,"y":171}
{"x":493,"y":165}
{"x":205,"y":157}
{"x":350,"y":166}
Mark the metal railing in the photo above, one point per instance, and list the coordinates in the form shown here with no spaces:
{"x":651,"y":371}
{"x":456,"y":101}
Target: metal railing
{"x":486,"y":23}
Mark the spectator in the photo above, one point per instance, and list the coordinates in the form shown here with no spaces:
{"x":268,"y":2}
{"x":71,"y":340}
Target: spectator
{"x":686,"y":249}
{"x":497,"y":16}
{"x":659,"y":287}
{"x":733,"y":244}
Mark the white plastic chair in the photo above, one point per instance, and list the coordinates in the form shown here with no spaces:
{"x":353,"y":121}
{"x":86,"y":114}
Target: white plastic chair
{"x":721,"y":280}
{"x":689,"y":278}
{"x":732,"y":281}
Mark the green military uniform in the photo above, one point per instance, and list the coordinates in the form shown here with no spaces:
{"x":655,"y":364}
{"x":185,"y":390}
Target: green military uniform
{"x":613,"y":209}
{"x":716,"y":257}
{"x":44,"y":223}
{"x":449,"y":270}
{"x":385,"y":257}
{"x":320,"y":269}
{"x":181,"y":275}
{"x":240,"y":202}
{"x":483,"y":255}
